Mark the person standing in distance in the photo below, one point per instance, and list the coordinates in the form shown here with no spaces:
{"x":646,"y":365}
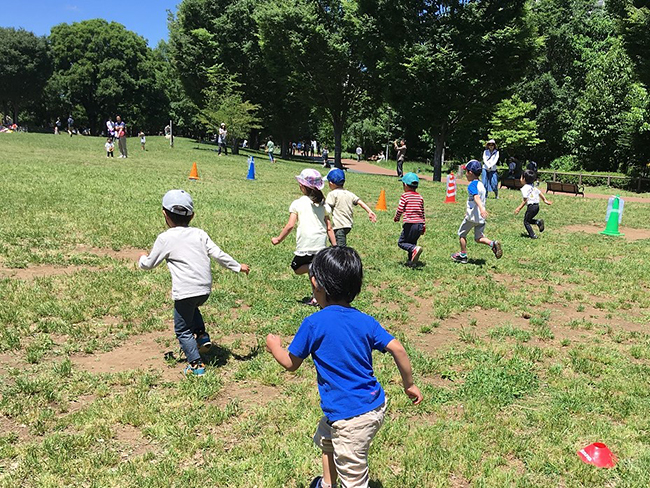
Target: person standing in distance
{"x":401,"y":154}
{"x":221,"y":141}
{"x":120,"y":133}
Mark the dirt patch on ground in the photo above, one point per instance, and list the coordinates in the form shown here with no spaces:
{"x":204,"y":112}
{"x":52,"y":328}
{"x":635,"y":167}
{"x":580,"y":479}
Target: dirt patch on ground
{"x":42,"y":271}
{"x":9,"y":426}
{"x":144,"y":352}
{"x":247,"y":394}
{"x":629,"y":234}
{"x":127,"y":253}
{"x":131,"y":442}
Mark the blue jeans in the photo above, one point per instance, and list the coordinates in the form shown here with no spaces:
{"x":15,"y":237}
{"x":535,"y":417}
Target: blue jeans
{"x":188,"y":324}
{"x":409,"y":237}
{"x":491,"y":181}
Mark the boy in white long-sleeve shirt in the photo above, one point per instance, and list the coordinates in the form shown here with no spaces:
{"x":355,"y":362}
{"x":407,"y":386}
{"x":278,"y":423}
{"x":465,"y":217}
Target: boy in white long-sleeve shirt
{"x":187,"y":251}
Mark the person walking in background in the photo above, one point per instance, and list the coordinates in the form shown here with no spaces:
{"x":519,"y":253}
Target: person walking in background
{"x":143,"y":140}
{"x":70,"y":125}
{"x":489,"y":177}
{"x":401,"y":154}
{"x":325,"y":154}
{"x":221,"y":140}
{"x":270,"y":147}
{"x":57,"y":126}
{"x":359,"y":153}
{"x":120,"y":133}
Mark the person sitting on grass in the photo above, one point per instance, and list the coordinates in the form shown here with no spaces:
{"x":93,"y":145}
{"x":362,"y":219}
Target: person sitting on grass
{"x":342,"y":203}
{"x":475,"y":215}
{"x":187,"y":251}
{"x":314,"y":227}
{"x":340,"y":340}
{"x":411,"y":206}
{"x":531,"y":195}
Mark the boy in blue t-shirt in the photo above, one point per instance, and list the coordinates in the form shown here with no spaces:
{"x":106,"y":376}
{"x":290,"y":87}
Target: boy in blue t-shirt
{"x":340,"y":340}
{"x":475,"y":215}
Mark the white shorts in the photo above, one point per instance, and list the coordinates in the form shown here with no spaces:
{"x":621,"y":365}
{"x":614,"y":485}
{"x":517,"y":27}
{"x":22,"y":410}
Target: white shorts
{"x":468,"y":225}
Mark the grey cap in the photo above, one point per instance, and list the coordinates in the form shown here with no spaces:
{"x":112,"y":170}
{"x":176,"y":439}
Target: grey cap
{"x":178,"y":202}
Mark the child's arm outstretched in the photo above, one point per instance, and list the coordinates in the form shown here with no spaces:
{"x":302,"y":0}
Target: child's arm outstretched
{"x":287,"y":360}
{"x":225,"y":259}
{"x":371,"y":214}
{"x":398,"y":352}
{"x":156,"y":256}
{"x":401,"y":207}
{"x":481,"y":208}
{"x":291,"y":223}
{"x":330,"y":231}
{"x":521,"y":205}
{"x":546,"y":201}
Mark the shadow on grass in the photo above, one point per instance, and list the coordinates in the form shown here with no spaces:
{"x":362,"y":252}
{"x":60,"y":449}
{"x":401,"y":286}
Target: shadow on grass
{"x":417,"y":266}
{"x":477,"y":262}
{"x":375,"y":484}
{"x":219,"y":355}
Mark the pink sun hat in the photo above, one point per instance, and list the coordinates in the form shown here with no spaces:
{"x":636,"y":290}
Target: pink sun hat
{"x":310,"y":178}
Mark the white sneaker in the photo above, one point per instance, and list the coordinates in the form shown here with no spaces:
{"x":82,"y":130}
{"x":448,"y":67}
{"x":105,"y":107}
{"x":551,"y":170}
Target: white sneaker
{"x":417,"y":252}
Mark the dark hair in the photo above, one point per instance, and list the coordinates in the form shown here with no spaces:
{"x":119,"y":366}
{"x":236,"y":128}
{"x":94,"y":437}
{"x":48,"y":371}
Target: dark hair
{"x":315,"y":195}
{"x":178,"y":220}
{"x":530,"y":176}
{"x":338,"y":271}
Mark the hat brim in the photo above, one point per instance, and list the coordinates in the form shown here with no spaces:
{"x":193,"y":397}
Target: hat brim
{"x":304,"y":182}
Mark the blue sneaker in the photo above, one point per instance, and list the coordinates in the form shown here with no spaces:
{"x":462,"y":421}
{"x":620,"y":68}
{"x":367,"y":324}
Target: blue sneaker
{"x":204,"y":343}
{"x":315,"y":483}
{"x":195,"y":369}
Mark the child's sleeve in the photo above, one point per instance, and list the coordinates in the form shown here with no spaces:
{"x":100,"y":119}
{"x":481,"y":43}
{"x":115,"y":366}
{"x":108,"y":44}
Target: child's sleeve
{"x":401,"y":206}
{"x":355,"y":199}
{"x":380,"y":338}
{"x":157,"y":255}
{"x":331,"y":199}
{"x":221,"y":257}
{"x":301,"y":344}
{"x":472,"y":188}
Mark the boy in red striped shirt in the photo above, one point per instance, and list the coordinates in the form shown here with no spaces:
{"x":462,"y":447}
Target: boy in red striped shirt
{"x":411,"y":206}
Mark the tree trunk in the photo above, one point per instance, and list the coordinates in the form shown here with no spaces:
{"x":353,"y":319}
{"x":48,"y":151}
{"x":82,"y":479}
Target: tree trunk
{"x":235,"y":145}
{"x":438,"y":155}
{"x":15,"y":112}
{"x":337,"y":124}
{"x":283,"y":147}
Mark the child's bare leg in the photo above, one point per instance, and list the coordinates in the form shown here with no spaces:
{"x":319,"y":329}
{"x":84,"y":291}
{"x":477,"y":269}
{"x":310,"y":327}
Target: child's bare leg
{"x":463,"y":245}
{"x":484,"y":240}
{"x":302,"y":269}
{"x":329,"y":469}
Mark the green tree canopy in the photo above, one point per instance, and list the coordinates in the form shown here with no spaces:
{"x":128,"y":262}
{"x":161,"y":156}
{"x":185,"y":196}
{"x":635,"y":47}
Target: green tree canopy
{"x":24,"y":68}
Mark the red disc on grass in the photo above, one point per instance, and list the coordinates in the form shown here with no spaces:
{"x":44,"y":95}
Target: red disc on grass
{"x":598,"y":454}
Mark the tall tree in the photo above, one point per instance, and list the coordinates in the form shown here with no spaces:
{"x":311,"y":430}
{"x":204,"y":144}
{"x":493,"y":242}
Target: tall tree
{"x":634,"y":23}
{"x":448,"y":63}
{"x":24,"y":68}
{"x":102,"y":68}
{"x":323,"y":44}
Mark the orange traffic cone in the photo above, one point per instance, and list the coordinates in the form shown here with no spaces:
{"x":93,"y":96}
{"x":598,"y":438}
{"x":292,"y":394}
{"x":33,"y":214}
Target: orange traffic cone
{"x":381,"y":203}
{"x":194,"y":174}
{"x":451,"y":189}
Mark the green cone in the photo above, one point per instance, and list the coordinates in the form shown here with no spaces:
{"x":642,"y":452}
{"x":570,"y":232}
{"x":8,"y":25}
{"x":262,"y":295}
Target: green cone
{"x":612,"y":222}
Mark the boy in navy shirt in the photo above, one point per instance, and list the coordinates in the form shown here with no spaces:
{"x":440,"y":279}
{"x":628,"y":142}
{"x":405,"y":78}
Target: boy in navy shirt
{"x":340,"y":340}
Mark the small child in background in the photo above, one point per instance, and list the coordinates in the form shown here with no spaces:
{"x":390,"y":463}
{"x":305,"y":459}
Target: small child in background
{"x":411,"y":206}
{"x":341,"y":202}
{"x":311,"y":214}
{"x":340,"y":339}
{"x":143,"y":140}
{"x":475,"y":215}
{"x":270,"y":147}
{"x":531,"y":195}
{"x":325,"y":156}
{"x":109,"y":147}
{"x":187,"y":251}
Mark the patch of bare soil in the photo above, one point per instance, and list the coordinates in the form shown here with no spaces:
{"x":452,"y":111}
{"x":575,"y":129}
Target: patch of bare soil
{"x":247,"y":394}
{"x":629,"y":233}
{"x":131,"y":442}
{"x":144,"y":352}
{"x":127,"y":253}
{"x":42,"y":271}
{"x":10,"y":426}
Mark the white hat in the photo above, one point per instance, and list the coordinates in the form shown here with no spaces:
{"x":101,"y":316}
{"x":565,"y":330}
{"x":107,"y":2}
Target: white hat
{"x":178,"y":202}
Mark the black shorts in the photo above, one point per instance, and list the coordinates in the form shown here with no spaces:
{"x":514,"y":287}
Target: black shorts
{"x":301,"y":261}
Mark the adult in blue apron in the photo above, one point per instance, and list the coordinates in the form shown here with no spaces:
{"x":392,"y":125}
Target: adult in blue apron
{"x":490,"y":177}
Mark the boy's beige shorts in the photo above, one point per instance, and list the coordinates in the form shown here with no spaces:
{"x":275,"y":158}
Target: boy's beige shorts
{"x":350,"y":440}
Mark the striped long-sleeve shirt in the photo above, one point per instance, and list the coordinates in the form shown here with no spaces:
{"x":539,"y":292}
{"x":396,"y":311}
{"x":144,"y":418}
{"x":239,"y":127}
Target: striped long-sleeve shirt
{"x":411,"y":206}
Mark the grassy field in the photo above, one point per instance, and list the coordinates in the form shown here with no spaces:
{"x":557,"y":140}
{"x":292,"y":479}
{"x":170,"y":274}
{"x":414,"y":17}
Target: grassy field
{"x":523,"y":361}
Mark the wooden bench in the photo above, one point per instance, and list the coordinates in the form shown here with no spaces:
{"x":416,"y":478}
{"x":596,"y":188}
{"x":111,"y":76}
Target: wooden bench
{"x":565,"y":188}
{"x":514,"y":183}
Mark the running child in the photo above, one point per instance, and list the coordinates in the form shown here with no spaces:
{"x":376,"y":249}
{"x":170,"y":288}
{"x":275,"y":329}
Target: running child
{"x":475,"y":215}
{"x":411,"y":206}
{"x":340,"y":340}
{"x":311,"y":214}
{"x":342,"y":203}
{"x":109,"y":147}
{"x":187,"y":251}
{"x":143,"y":140}
{"x":531,"y":195}
{"x":270,"y":147}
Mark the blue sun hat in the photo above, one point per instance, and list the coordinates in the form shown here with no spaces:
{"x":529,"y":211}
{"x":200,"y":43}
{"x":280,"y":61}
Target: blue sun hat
{"x":336,"y":176}
{"x":411,"y":179}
